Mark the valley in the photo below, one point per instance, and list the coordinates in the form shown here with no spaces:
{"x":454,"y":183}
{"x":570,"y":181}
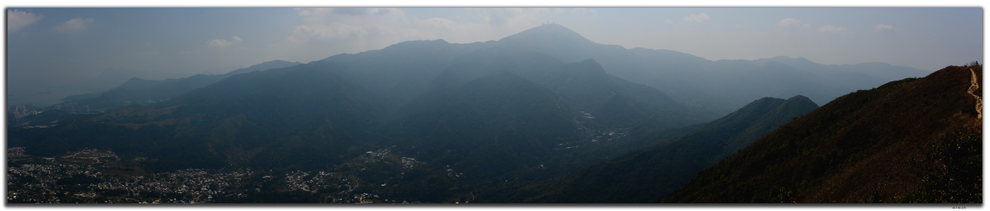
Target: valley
{"x":542,"y":116}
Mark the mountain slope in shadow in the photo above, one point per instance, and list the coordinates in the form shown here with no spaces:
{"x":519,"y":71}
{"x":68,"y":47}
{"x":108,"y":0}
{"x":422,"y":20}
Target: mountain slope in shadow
{"x":643,"y":175}
{"x":913,"y":140}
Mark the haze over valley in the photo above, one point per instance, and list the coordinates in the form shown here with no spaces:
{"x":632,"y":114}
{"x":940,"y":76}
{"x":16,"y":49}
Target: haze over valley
{"x":496,"y":105}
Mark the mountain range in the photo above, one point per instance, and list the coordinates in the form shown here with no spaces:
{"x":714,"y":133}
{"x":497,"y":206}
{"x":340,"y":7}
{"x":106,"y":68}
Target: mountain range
{"x":144,"y":92}
{"x":404,"y":70}
{"x":535,"y":116}
{"x":708,"y":84}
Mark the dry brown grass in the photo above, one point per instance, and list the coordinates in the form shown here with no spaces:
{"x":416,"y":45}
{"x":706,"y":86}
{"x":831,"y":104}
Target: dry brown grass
{"x":882,"y":145}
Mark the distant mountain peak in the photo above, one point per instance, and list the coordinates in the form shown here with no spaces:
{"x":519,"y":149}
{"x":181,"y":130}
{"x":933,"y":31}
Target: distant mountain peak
{"x":800,"y":101}
{"x":792,"y":61}
{"x":274,"y":61}
{"x":263,"y":66}
{"x":799,"y":97}
{"x":277,"y":62}
{"x":800,"y":58}
{"x":547,"y":32}
{"x":553,"y":39}
{"x":591,"y":62}
{"x":418,"y":43}
{"x":552,"y":26}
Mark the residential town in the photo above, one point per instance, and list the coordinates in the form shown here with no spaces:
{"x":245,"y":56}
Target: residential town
{"x":96,"y":176}
{"x":17,"y":112}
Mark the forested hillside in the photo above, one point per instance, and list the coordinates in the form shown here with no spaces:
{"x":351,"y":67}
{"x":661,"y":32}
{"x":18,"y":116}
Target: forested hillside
{"x":912,"y":140}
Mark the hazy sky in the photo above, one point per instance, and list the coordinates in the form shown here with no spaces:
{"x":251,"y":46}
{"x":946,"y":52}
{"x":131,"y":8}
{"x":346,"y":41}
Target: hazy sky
{"x":48,"y":46}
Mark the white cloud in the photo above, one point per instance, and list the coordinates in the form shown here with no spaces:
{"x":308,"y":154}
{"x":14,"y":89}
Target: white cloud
{"x":351,"y":15}
{"x":17,"y":19}
{"x":668,"y":21}
{"x":583,"y":11}
{"x":884,"y":27}
{"x":437,"y":23}
{"x":346,"y":23}
{"x":391,"y":25}
{"x":831,"y":29}
{"x":73,"y":25}
{"x":506,"y":16}
{"x":222,"y":43}
{"x":333,"y":30}
{"x":788,"y":22}
{"x":569,"y":11}
{"x":697,"y":18}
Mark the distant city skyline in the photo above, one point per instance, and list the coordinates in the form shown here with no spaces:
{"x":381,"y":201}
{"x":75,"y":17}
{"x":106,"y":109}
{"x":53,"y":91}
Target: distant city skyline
{"x":51,"y":47}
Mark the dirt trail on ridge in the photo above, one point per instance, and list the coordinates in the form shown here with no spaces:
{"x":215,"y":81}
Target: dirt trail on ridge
{"x":974,"y":84}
